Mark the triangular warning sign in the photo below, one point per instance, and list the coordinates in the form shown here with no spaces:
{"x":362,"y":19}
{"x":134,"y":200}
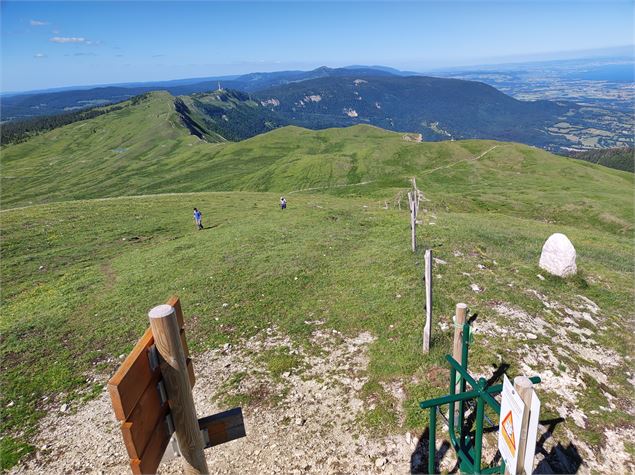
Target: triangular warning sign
{"x":508,"y":433}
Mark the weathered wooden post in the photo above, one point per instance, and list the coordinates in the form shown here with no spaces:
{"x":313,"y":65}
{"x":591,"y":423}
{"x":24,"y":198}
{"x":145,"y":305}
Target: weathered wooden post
{"x":457,"y":348}
{"x":525,"y":389}
{"x":413,"y":221}
{"x":415,"y":192}
{"x":427,"y":277}
{"x":167,"y":337}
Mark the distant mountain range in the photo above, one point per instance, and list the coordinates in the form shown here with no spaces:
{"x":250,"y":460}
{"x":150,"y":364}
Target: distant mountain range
{"x":21,"y":106}
{"x":245,"y":106}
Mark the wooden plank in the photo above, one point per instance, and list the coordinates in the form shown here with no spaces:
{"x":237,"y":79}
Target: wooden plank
{"x":149,"y":461}
{"x":190,"y":371}
{"x":138,"y":428}
{"x":176,"y":303}
{"x":186,"y":349}
{"x":134,"y":375}
{"x":132,"y":378}
{"x":223,"y":427}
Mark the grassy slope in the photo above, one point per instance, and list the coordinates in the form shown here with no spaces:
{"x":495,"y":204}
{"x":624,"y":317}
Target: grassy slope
{"x":350,"y":255}
{"x":88,"y":158}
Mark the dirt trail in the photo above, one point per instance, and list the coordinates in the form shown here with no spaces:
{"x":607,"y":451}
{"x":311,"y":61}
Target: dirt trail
{"x":427,"y":172}
{"x":332,"y":186}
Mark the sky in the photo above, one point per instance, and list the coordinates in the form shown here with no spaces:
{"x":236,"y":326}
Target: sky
{"x":57,"y":44}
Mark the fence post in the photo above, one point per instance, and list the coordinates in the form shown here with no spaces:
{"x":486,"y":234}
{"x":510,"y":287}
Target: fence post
{"x":457,"y":350}
{"x":427,"y":277}
{"x":413,"y":221}
{"x":167,"y":338}
{"x":525,"y":388}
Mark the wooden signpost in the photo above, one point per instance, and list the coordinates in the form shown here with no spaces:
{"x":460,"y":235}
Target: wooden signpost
{"x":151,"y":395}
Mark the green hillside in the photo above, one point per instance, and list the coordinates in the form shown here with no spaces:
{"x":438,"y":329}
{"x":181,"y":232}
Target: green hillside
{"x":84,"y":263}
{"x":146,"y":149}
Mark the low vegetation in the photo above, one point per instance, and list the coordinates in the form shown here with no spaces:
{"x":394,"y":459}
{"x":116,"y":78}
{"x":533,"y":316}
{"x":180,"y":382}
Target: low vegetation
{"x":80,"y":272}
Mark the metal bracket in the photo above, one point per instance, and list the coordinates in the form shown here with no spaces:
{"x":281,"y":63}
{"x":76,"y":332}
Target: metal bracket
{"x":205,"y":434}
{"x":162,"y":394}
{"x":153,"y":357}
{"x":170,"y":423}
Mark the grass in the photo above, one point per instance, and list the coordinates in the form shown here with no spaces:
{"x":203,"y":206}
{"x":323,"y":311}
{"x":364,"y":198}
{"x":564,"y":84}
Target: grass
{"x":79,"y":276}
{"x":342,"y":260}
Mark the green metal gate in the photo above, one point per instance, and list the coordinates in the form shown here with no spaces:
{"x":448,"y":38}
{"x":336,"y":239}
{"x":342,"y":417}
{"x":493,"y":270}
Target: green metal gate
{"x":468,"y":448}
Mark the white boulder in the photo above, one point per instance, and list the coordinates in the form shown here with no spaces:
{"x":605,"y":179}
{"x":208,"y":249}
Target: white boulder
{"x":558,"y":256}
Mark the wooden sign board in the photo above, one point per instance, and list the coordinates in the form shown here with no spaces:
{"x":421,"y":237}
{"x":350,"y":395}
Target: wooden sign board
{"x":138,"y":402}
{"x":222,"y":427}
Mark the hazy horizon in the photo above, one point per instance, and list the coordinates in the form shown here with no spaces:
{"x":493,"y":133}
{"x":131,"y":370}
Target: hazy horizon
{"x":47,"y":45}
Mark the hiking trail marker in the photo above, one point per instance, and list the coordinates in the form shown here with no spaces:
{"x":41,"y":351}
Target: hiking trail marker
{"x":509,"y":428}
{"x":151,"y":395}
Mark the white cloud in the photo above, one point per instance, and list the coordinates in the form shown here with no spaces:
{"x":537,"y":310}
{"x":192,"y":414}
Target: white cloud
{"x":68,"y":39}
{"x":39,"y":55}
{"x":38,"y":23}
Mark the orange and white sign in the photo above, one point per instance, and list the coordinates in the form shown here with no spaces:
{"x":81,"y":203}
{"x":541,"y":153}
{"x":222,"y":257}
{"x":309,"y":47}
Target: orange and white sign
{"x":511,"y":417}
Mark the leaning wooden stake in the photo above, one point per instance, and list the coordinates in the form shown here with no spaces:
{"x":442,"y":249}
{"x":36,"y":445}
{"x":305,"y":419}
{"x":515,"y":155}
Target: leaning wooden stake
{"x":413,"y":221}
{"x":457,"y":348}
{"x":428,"y":283}
{"x":525,"y":388}
{"x":167,"y":338}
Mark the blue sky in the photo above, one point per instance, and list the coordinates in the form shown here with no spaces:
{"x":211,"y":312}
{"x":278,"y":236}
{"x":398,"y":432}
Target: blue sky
{"x":53,"y":44}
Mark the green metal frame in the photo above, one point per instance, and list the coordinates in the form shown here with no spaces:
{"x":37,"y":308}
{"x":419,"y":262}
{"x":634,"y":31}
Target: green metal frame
{"x":468,"y":450}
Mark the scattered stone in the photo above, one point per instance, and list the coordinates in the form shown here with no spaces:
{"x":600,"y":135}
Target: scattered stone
{"x":540,"y":277}
{"x":64,"y":408}
{"x":380,"y":462}
{"x":299,"y":421}
{"x":439,"y":261}
{"x":458,"y":254}
{"x":227,"y":347}
{"x":408,"y":438}
{"x":531,"y":336}
{"x":481,"y":266}
{"x":476,"y":288}
{"x":225,"y":305}
{"x":11,"y":404}
{"x":558,"y":256}
{"x":40,"y":268}
{"x":398,"y":296}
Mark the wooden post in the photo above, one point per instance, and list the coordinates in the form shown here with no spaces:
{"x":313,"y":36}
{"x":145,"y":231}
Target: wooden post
{"x":427,"y":330}
{"x":167,"y":338}
{"x":525,"y":389}
{"x":415,"y":193}
{"x":413,"y":220}
{"x":457,"y":348}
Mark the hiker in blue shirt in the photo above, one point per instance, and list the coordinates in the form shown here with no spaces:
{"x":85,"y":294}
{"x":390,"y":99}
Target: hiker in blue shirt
{"x":283,"y":203}
{"x":198,"y":219}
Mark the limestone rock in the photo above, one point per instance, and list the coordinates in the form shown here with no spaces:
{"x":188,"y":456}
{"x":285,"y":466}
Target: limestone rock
{"x":558,"y":256}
